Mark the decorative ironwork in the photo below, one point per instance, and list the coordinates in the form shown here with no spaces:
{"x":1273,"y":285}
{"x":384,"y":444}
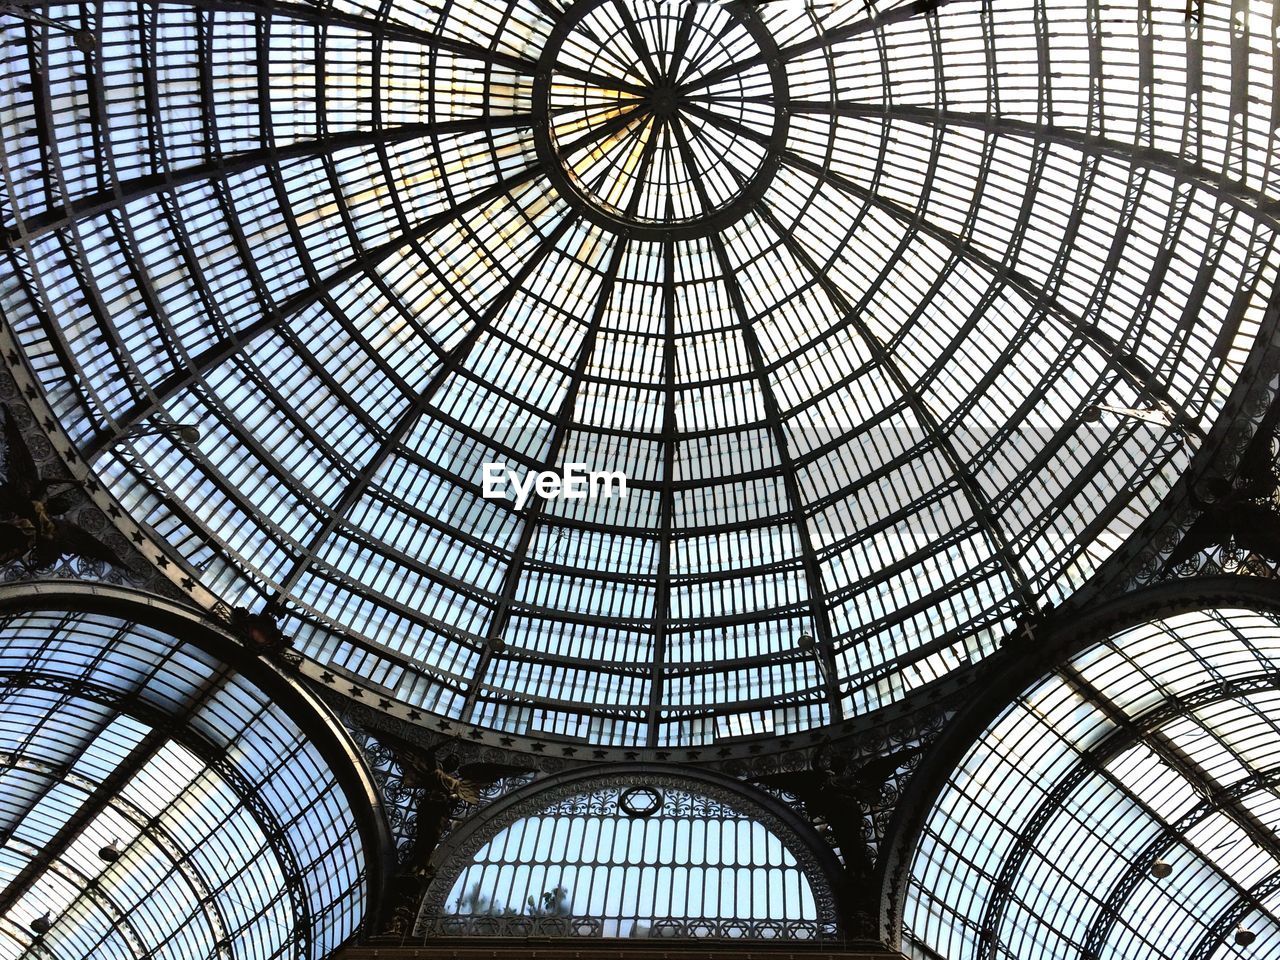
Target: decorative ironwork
{"x":689,"y":797}
{"x":1199,"y":540}
{"x":76,"y":508}
{"x":1233,"y":525}
{"x":512,"y":926}
{"x":642,"y":802}
{"x":685,"y":928}
{"x":641,"y":126}
{"x":718,"y":929}
{"x":399,"y":801}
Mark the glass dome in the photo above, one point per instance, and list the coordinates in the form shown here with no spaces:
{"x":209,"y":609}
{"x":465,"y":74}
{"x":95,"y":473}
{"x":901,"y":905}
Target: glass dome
{"x":898,"y":319}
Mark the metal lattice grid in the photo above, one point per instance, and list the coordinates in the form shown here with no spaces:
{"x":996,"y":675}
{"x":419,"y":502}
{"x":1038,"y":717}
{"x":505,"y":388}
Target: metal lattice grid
{"x":1157,"y":744}
{"x":855,"y":406}
{"x":232,"y":834}
{"x":646,"y":853}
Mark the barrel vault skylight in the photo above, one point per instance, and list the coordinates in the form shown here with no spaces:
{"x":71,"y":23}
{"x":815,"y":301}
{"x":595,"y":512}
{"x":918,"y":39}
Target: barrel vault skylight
{"x":156,"y":803}
{"x":1124,"y":806}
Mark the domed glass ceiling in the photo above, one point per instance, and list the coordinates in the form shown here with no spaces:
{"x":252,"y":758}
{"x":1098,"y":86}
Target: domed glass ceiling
{"x":898,"y":320}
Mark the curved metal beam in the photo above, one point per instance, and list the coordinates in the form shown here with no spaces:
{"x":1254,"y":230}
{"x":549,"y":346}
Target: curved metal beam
{"x":146,"y":825}
{"x":451,"y":362}
{"x":101,"y":796}
{"x":666,"y":496}
{"x":898,"y":14}
{"x":1218,"y":798}
{"x":564,"y":417}
{"x":1216,"y":934}
{"x":1065,"y":633}
{"x":234,"y":342}
{"x":979,"y":503}
{"x":1128,"y":733}
{"x":314,"y":719}
{"x":501,"y":615}
{"x":773,"y":415}
{"x":1133,"y":367}
{"x":53,"y":218}
{"x":1239,"y":194}
{"x":121,"y":923}
{"x":327,"y":16}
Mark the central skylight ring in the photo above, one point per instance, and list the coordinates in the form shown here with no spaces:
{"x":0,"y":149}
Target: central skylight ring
{"x":631,"y":137}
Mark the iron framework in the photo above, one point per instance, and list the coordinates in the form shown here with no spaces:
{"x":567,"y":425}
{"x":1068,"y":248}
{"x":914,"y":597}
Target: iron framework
{"x":246,"y":826}
{"x":792,"y":878}
{"x":855,"y":397}
{"x":1176,"y":773}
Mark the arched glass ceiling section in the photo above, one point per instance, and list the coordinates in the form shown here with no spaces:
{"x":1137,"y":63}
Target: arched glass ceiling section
{"x":837,"y":290}
{"x":1159,"y":743}
{"x":234,"y":837}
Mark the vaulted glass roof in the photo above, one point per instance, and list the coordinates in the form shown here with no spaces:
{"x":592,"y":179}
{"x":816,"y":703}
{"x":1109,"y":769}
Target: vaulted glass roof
{"x":899,"y":319}
{"x":1124,"y":806}
{"x":154,"y":802}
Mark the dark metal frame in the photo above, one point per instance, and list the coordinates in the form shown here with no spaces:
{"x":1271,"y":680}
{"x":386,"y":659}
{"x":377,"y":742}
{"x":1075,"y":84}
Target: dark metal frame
{"x":217,"y":167}
{"x":1060,"y":639}
{"x":312,"y":718}
{"x":1000,"y":680}
{"x":715,"y":218}
{"x":105,"y":794}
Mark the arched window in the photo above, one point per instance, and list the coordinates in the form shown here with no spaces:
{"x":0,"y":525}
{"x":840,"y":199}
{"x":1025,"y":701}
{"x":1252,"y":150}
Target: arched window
{"x":635,"y":854}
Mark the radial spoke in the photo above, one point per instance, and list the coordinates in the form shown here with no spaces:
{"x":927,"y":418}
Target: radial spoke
{"x":705,"y":48}
{"x":728,"y":123}
{"x":666,"y":42}
{"x":128,"y":191}
{"x":648,"y":151}
{"x":908,"y":11}
{"x":327,"y":16}
{"x":603,"y":80}
{"x":610,"y":128}
{"x":613,"y":169}
{"x":606,"y":107}
{"x":637,"y":40}
{"x":562,"y":425}
{"x":235,"y":342}
{"x":680,"y":47}
{"x":1241,"y":195}
{"x":483,"y":324}
{"x":777,"y":430}
{"x":1140,"y":377}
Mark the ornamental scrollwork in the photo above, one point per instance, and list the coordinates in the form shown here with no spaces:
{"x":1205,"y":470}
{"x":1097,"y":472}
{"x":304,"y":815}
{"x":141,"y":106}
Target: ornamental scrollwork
{"x":598,"y":796}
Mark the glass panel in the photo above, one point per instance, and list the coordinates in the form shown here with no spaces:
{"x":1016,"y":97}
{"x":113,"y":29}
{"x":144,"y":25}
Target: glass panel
{"x":1051,"y":823}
